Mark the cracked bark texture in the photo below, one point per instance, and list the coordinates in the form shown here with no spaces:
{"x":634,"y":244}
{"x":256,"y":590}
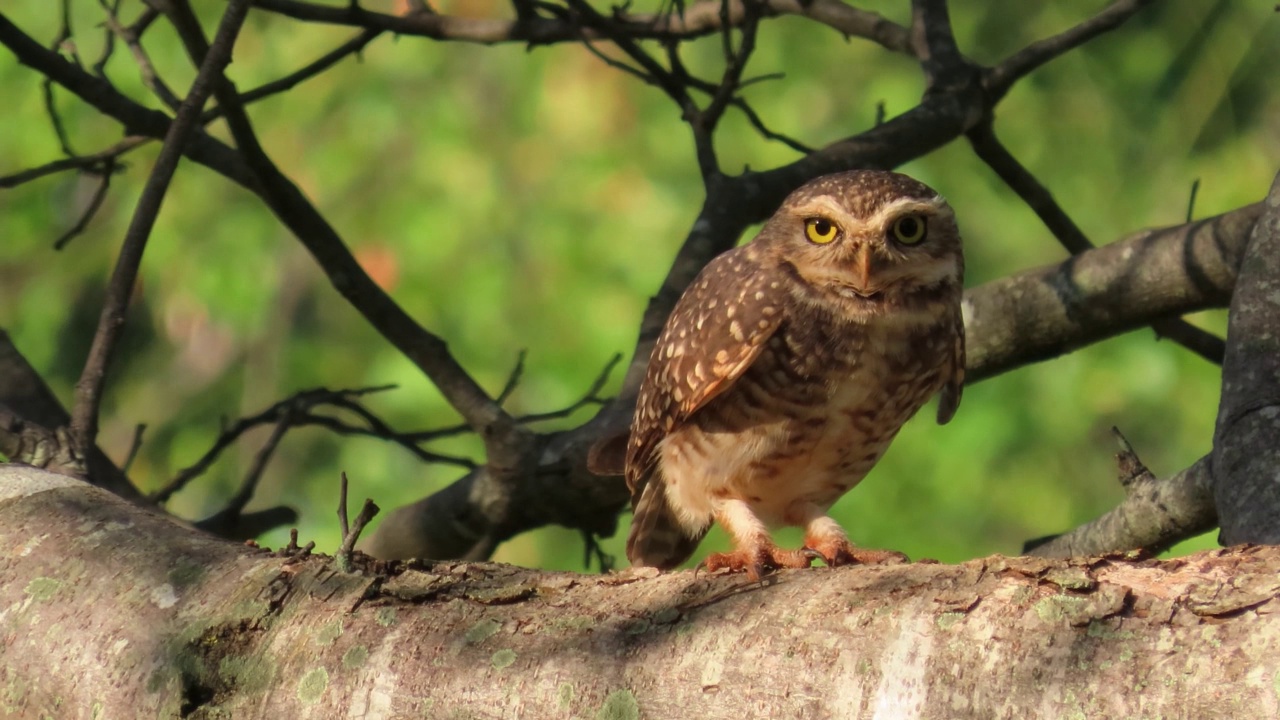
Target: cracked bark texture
{"x":1246,"y":441}
{"x":109,"y":611}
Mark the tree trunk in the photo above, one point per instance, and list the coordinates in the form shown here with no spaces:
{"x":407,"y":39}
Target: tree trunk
{"x":110,"y":611}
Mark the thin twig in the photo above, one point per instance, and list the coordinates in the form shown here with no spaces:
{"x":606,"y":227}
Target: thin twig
{"x":95,"y":203}
{"x":342,"y":505}
{"x":735,"y":64}
{"x":84,"y":417}
{"x":376,"y":428}
{"x":1191,"y":201}
{"x":351,"y":533}
{"x":150,"y":78}
{"x":249,"y":485}
{"x":513,"y":379}
{"x":298,"y":409}
{"x":61,"y":43}
{"x":108,"y":40}
{"x":765,"y":132}
{"x":308,"y":71}
{"x":87,"y":163}
{"x":134,"y":447}
{"x":1000,"y":78}
{"x":591,"y":397}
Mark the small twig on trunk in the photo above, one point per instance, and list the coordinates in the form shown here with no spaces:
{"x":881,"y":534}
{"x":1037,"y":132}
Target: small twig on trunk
{"x":342,"y":506}
{"x":1131,"y":467}
{"x":351,"y":533}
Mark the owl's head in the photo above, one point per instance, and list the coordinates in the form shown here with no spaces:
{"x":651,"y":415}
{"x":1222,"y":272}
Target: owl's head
{"x":867,"y":242}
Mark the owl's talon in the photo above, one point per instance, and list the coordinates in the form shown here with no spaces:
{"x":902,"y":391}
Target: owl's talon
{"x":879,"y":557}
{"x":760,"y":561}
{"x":836,"y":558}
{"x":844,"y":553}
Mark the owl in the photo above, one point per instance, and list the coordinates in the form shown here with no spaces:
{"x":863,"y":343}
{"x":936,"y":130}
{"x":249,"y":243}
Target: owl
{"x":787,"y":368}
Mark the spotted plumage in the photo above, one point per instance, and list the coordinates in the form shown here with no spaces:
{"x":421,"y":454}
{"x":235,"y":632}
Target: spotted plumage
{"x":789,"y":365}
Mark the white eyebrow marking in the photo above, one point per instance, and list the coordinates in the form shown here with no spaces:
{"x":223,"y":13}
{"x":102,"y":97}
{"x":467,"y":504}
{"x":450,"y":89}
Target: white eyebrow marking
{"x":898,"y":207}
{"x":824,"y":206}
{"x":829,"y":208}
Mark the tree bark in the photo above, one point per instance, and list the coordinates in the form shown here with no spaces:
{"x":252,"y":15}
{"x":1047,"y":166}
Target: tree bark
{"x":113,"y":611}
{"x":1246,"y":440}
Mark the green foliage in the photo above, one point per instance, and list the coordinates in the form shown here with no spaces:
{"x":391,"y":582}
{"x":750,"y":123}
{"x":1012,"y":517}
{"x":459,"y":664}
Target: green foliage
{"x":514,"y":200}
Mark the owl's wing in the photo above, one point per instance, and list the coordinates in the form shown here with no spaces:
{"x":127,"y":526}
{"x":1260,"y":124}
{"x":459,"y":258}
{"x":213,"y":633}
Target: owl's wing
{"x":953,"y":374}
{"x":715,"y":332}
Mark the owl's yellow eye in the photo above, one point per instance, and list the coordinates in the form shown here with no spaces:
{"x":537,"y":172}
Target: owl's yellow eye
{"x":909,"y":229}
{"x":820,"y":231}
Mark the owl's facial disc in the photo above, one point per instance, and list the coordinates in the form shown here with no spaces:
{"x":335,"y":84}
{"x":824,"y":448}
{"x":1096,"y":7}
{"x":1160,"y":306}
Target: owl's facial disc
{"x":886,"y":256}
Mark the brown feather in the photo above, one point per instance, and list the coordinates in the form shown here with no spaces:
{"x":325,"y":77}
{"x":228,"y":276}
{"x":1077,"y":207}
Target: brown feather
{"x":949,"y":400}
{"x":657,"y":539}
{"x":705,"y":346}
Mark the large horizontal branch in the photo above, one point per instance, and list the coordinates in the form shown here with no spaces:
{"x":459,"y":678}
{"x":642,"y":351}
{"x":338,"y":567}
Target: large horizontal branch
{"x":1040,"y":314}
{"x":197,"y":627}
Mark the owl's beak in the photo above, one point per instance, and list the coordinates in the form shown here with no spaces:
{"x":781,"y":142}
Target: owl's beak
{"x":862,"y":272}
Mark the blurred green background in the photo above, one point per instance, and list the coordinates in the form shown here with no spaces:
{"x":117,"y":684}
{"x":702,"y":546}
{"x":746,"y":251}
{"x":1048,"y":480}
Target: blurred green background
{"x":514,"y":200}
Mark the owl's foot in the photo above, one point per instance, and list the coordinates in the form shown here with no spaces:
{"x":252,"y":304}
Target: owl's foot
{"x":825,"y":537}
{"x":758,"y":560}
{"x":839,"y":551}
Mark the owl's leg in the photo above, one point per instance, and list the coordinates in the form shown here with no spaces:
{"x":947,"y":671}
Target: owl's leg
{"x":825,"y":537}
{"x":754,"y":551}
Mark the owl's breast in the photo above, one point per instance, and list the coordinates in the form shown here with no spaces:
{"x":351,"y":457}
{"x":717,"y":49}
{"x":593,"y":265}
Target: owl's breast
{"x":805,"y":423}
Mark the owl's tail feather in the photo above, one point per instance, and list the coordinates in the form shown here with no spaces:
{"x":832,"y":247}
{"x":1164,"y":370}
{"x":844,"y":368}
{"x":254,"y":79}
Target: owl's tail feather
{"x":657,"y":538}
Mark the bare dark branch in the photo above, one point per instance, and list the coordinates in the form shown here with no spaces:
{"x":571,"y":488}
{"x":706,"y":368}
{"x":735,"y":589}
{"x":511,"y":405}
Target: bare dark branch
{"x":1040,"y":200}
{"x":84,"y":417}
{"x":504,"y":440}
{"x":310,"y":70}
{"x":1000,"y":78}
{"x":698,"y":19}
